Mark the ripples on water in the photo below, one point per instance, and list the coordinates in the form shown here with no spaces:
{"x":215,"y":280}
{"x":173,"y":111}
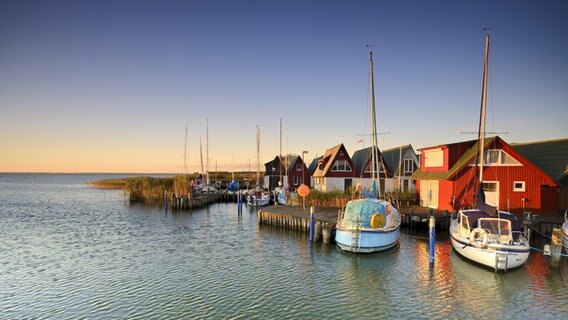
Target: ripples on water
{"x":70,"y":251}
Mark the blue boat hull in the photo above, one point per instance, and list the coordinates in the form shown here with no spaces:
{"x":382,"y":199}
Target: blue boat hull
{"x":366,"y":241}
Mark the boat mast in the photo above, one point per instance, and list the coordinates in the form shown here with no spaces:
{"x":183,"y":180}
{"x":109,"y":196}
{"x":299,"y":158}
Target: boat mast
{"x":207,"y":150}
{"x":280,"y":158}
{"x":185,"y":156}
{"x":201,"y":154}
{"x":374,"y":153}
{"x":258,"y":158}
{"x":481,"y":134}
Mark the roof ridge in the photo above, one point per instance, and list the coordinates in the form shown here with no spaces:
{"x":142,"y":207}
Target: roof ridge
{"x":539,"y":142}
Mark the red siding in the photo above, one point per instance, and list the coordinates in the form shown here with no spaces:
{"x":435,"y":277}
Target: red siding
{"x":298,"y":173}
{"x":513,"y":201}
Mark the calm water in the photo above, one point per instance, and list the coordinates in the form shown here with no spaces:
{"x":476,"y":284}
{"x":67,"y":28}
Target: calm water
{"x":71,"y":251}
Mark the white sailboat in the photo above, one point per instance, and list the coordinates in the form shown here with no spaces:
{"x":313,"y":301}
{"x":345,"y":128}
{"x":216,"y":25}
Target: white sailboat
{"x":258,"y":198}
{"x":209,"y":188}
{"x":486,"y":235}
{"x":199,"y":185}
{"x":280,"y":191}
{"x":369,"y":224}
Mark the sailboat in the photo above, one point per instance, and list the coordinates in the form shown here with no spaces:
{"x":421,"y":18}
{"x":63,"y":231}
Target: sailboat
{"x":209,"y":188}
{"x":234,"y":184}
{"x":198,"y":187}
{"x":486,"y":235}
{"x":280,"y":191}
{"x":369,"y":224}
{"x":258,"y":198}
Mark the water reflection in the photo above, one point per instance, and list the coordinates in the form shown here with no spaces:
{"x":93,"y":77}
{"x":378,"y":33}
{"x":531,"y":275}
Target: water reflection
{"x":69,"y":251}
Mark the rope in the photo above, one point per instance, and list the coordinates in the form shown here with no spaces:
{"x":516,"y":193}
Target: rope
{"x":537,"y":231}
{"x":539,"y":250}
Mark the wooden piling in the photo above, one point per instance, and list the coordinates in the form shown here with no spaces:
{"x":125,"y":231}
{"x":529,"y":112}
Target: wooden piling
{"x":556,"y":246}
{"x":295,"y":218}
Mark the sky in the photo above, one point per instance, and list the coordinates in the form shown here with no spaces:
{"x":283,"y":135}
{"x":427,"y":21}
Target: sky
{"x":110,"y":86}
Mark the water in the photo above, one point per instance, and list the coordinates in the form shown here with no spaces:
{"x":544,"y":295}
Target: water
{"x":69,"y":251}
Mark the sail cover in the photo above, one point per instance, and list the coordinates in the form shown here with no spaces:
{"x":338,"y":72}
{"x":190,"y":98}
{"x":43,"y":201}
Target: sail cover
{"x":481,"y":205}
{"x":358,"y":213}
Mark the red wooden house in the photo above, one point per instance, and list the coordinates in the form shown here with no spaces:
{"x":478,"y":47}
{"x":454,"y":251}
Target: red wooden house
{"x":274,"y":171}
{"x":334,"y":171}
{"x":298,"y":173}
{"x":446,"y":179}
{"x":291,"y":177}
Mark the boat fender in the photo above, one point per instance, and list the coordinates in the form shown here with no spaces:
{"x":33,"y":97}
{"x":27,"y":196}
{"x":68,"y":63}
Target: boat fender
{"x":388,"y":209}
{"x":377,"y":221}
{"x":475,"y":235}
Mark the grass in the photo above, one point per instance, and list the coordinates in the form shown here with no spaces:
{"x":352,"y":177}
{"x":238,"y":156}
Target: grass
{"x":151,"y":190}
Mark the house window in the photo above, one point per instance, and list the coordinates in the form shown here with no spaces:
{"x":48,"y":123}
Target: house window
{"x":296,"y":181}
{"x":341,"y":165}
{"x":434,"y":158}
{"x":519,"y":186}
{"x":320,"y":166}
{"x":298,"y":168}
{"x":408,"y":166}
{"x":341,"y":153}
{"x":498,"y":157}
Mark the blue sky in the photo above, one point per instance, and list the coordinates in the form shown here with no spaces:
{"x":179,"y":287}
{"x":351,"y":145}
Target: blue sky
{"x":109,"y":86}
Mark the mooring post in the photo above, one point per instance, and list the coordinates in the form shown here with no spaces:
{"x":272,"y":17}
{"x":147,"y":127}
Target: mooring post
{"x":432,"y":236}
{"x":239,"y":203}
{"x":312,"y":222}
{"x":166,"y":199}
{"x":556,"y":246}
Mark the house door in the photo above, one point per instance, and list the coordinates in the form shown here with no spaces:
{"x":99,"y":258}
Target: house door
{"x":429,"y":193}
{"x":347,"y":184}
{"x":491,"y":189}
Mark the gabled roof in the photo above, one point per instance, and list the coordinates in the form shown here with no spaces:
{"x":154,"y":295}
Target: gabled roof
{"x":550,"y":156}
{"x":467,"y":158}
{"x":363,"y":156}
{"x":329,"y":155}
{"x":292,"y":163}
{"x":271,"y":162}
{"x":393,"y":156}
{"x":282,"y":160}
{"x":314,"y":165}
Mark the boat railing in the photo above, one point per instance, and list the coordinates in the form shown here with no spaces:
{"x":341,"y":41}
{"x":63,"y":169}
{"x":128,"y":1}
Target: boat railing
{"x":518,"y":236}
{"x":340,"y":216}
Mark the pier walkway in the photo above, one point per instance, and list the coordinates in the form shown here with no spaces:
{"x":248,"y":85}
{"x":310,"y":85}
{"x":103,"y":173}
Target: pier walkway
{"x":298,"y":218}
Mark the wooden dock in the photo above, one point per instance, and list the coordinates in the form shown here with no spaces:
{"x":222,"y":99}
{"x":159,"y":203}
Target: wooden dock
{"x":195,"y":200}
{"x":297,"y":218}
{"x":416,"y":217}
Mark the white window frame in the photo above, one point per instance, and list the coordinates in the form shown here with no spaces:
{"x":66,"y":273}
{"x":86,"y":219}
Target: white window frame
{"x":298,"y":167}
{"x":341,"y":166}
{"x":296,"y":180}
{"x":408,"y":166}
{"x":433,"y":158}
{"x":501,"y":156}
{"x":519,"y":189}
